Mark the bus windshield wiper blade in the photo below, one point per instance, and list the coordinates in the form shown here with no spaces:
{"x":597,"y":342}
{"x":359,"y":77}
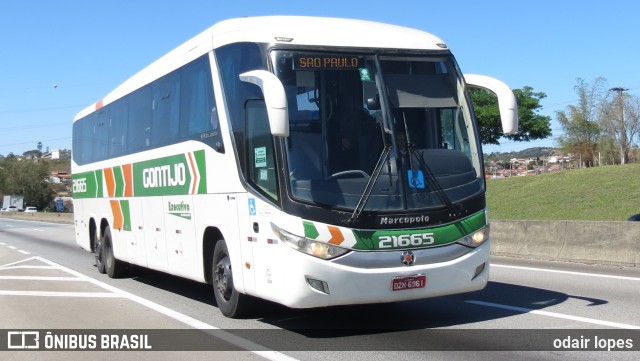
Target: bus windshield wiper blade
{"x":366,"y":194}
{"x":432,"y":181}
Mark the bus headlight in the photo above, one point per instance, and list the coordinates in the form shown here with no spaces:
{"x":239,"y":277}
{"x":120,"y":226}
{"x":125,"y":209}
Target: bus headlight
{"x":308,"y":246}
{"x":476,"y":238}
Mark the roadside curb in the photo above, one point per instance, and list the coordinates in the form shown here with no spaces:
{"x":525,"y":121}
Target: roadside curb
{"x":40,"y":216}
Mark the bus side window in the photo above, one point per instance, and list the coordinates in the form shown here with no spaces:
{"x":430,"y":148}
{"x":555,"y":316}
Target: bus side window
{"x":139,"y":120}
{"x":101,"y":134}
{"x":198,"y":112}
{"x":166,"y":110}
{"x":118,"y":127}
{"x":260,"y":149}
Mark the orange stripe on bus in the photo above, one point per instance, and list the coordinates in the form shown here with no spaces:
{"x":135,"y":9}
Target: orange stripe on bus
{"x":336,"y":235}
{"x":111,"y":182}
{"x":127,"y":172}
{"x":118,"y":221}
{"x":99,"y":104}
{"x":195,"y":178}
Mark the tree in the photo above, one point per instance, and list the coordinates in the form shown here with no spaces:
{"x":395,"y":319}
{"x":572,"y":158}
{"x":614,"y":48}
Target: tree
{"x":581,"y":122}
{"x":532,"y":125}
{"x":27,"y":178}
{"x":32,"y":154}
{"x":621,"y":120}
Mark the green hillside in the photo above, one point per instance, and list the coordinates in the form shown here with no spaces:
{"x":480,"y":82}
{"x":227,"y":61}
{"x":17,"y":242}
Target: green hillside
{"x":609,"y":193}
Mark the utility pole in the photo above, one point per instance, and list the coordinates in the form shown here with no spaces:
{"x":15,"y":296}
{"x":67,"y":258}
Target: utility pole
{"x":623,"y":133}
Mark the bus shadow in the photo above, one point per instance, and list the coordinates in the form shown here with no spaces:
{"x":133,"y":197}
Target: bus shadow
{"x":448,"y":311}
{"x":183,"y":287}
{"x":454,"y":311}
{"x":443,"y":323}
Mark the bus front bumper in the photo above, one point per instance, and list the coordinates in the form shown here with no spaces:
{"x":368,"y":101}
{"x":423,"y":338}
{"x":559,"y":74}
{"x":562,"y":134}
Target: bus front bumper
{"x":302,"y":281}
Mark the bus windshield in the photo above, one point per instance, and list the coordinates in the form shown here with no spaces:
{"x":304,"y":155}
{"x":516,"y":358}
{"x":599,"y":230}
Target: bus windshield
{"x":381,"y":132}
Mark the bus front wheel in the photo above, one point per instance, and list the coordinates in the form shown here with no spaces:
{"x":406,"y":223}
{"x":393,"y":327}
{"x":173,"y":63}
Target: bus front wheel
{"x":231,"y":303}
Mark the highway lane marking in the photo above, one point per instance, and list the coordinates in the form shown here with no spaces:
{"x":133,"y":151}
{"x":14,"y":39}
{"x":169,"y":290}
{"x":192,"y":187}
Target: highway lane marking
{"x":248,"y":345}
{"x":16,"y":249}
{"x":556,"y":315}
{"x":26,"y":267}
{"x":60,"y":294}
{"x":118,"y":293}
{"x":17,"y":264}
{"x":20,"y":265}
{"x":41,"y":278}
{"x":568,"y":272}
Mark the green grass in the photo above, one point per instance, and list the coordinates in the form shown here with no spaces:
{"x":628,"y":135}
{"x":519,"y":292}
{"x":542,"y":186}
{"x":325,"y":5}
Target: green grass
{"x":609,"y":193}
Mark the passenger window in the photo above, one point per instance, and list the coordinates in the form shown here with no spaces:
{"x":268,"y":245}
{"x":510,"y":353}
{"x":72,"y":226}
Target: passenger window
{"x":118,"y":128}
{"x":166,"y":110}
{"x":198,"y":112}
{"x":140,"y":120}
{"x":101,"y":134}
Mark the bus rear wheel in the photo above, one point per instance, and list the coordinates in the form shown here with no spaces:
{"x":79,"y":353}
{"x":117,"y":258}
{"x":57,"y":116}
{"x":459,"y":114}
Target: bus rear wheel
{"x":113,"y":266}
{"x":98,"y":249}
{"x":231,"y":303}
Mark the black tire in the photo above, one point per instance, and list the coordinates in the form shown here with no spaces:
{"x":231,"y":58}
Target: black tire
{"x":231,"y":303}
{"x":98,"y":249}
{"x":114,"y":267}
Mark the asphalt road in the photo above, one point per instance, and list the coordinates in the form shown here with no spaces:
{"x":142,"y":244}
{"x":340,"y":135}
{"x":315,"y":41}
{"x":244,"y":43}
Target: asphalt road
{"x":47,"y":283}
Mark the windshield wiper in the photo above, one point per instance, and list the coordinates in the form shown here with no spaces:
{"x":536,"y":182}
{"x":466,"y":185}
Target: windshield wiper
{"x":366,"y":194}
{"x":432,"y":181}
{"x":430,"y":177}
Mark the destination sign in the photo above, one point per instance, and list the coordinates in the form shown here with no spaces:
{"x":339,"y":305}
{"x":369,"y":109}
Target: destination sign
{"x":326,"y":62}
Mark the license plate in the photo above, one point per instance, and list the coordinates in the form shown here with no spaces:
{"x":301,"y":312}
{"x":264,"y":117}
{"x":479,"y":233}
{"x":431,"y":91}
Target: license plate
{"x":408,"y":283}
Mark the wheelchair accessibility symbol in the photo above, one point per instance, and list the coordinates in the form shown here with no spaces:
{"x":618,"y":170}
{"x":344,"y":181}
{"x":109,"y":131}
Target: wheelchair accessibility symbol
{"x":252,"y":207}
{"x":416,"y":180}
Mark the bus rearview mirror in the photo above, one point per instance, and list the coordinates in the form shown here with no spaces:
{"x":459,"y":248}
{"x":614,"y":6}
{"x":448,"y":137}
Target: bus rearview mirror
{"x":274,"y":97}
{"x":507,"y":103}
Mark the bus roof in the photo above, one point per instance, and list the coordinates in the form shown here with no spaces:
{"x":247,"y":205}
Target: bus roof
{"x":294,"y":30}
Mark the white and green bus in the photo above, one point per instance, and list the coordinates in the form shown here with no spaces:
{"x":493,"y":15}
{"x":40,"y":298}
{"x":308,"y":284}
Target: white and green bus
{"x":307,"y":161}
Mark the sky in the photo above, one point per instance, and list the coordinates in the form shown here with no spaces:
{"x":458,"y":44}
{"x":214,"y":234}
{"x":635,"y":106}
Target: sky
{"x":58,"y":57}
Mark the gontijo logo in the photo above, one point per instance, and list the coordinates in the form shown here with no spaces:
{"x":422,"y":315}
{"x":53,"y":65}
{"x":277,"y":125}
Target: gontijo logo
{"x":179,"y":174}
{"x":164,"y":176}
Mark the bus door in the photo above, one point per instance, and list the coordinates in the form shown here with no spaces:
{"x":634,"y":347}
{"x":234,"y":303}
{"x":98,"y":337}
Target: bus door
{"x":135,"y":237}
{"x":154,"y":232}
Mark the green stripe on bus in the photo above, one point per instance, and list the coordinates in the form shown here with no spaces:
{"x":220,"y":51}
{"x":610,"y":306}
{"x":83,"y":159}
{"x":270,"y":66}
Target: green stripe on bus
{"x":126,"y":215}
{"x":119,"y":179}
{"x":87,"y":184}
{"x":202,"y":169}
{"x":166,"y":176}
{"x":99,"y":189}
{"x":443,"y":235}
{"x":310,"y":230}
